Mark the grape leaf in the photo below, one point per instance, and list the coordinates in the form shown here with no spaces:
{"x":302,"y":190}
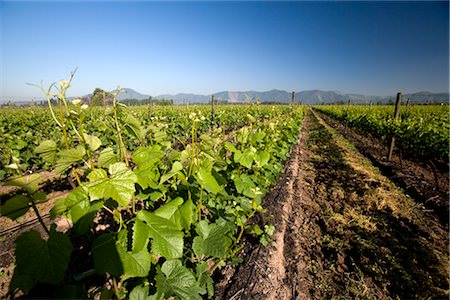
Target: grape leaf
{"x":119,"y":187}
{"x":68,"y":157}
{"x":167,"y":238}
{"x":245,"y":185}
{"x":175,"y":279}
{"x":207,"y":181}
{"x":106,"y":256}
{"x":147,"y":175}
{"x":140,"y":293}
{"x":141,"y":236}
{"x":243,"y":158}
{"x":212,"y":240}
{"x":93,"y":142}
{"x":262,"y":158}
{"x":44,"y":261}
{"x":187,"y":213}
{"x":134,"y":264}
{"x":145,"y":154}
{"x":78,"y":204}
{"x":15,"y":207}
{"x":107,"y":157}
{"x":134,"y":126}
{"x":28,"y":182}
{"x":168,"y":210}
{"x":47,"y":150}
{"x":176,"y":167}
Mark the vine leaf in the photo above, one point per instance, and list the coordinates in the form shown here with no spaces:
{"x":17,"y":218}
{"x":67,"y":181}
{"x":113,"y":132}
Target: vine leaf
{"x":245,"y":158}
{"x":262,"y":158}
{"x":18,"y":205}
{"x":119,"y":186}
{"x":170,"y":211}
{"x":245,"y":185}
{"x":47,"y":150}
{"x":78,"y":204}
{"x":151,"y":154}
{"x":208,"y":181}
{"x":141,"y":236}
{"x":29,"y":182}
{"x":187,"y":214}
{"x":15,"y":207}
{"x":135,"y":264}
{"x":107,"y":157}
{"x":106,"y":256}
{"x":167,"y":238}
{"x":133,"y":125}
{"x":175,"y":279}
{"x":140,"y":293}
{"x":180,"y":213}
{"x":176,"y":167}
{"x":68,"y":157}
{"x":148,"y":175}
{"x":212,"y":240}
{"x":40,"y":260}
{"x":93,"y":142}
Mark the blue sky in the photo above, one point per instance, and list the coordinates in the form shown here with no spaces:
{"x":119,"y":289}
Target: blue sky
{"x":373,"y":48}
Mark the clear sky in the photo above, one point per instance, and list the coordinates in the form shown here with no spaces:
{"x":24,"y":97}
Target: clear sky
{"x":373,"y":48}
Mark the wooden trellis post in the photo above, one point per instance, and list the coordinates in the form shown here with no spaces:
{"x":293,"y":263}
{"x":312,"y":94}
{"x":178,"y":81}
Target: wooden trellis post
{"x":150,"y":106}
{"x":212,"y":111}
{"x":396,"y":114}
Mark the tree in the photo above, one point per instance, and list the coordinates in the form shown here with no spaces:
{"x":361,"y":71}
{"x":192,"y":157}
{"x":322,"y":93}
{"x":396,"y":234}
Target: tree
{"x":101,"y":97}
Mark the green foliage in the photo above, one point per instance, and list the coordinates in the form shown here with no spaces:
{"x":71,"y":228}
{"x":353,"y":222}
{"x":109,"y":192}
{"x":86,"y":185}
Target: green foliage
{"x":107,"y":157}
{"x":39,"y":260}
{"x":67,"y":158}
{"x":135,"y":263}
{"x":207,"y":181}
{"x":167,"y":238}
{"x":140,"y":293}
{"x":101,"y":98}
{"x":119,"y":186}
{"x":177,"y":195}
{"x":28,"y":183}
{"x":77,"y":203}
{"x":212,"y":240}
{"x":421,"y":131}
{"x":92,"y":141}
{"x":47,"y":150}
{"x":105,"y":255}
{"x":15,"y":207}
{"x":173,"y":279}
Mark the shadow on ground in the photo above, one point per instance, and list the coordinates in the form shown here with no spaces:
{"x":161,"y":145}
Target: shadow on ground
{"x":369,"y":251}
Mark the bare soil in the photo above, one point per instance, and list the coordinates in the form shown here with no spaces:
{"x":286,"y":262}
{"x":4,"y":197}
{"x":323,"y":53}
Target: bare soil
{"x":343,"y":230}
{"x":50,"y":183}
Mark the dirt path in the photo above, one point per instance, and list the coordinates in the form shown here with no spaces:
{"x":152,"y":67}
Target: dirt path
{"x":342,"y":231}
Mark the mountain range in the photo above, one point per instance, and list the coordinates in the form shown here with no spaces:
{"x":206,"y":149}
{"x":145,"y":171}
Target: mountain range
{"x":280,"y":96}
{"x":277,"y":96}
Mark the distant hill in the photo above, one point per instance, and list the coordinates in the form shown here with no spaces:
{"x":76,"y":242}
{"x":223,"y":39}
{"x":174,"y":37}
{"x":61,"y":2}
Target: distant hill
{"x":280,"y":96}
{"x":130,"y":94}
{"x":421,"y":97}
{"x":306,"y":97}
{"x":185,"y":98}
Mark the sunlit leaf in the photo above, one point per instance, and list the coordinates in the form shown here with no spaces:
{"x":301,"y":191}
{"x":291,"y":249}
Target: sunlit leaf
{"x":47,"y":150}
{"x":93,"y":142}
{"x":119,"y":186}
